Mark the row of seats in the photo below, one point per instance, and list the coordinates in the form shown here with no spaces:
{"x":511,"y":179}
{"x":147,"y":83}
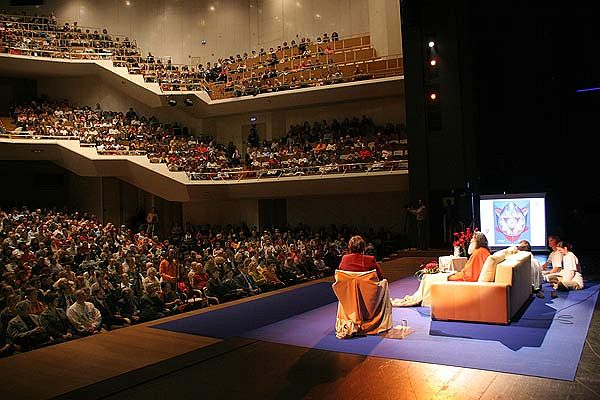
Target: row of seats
{"x":304,"y":65}
{"x":352,"y":146}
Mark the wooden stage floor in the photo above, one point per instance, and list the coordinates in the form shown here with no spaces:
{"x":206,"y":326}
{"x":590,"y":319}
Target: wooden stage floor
{"x":146,"y":363}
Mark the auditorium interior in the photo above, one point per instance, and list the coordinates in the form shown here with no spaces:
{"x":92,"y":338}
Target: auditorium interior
{"x":185,"y":181}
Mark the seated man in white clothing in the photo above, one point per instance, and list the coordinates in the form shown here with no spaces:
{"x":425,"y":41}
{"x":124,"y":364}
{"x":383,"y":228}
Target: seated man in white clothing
{"x":554,"y":259}
{"x":570,"y":277}
{"x":84,"y":316}
{"x":536,"y":269}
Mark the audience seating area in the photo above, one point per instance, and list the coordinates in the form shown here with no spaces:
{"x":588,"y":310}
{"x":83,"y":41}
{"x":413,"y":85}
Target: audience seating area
{"x":290,"y":66}
{"x":352,"y":145}
{"x":59,"y":260}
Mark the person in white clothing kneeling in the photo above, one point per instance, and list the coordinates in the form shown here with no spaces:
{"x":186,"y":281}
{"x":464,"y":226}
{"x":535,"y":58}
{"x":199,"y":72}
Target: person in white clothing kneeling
{"x":570,"y":277}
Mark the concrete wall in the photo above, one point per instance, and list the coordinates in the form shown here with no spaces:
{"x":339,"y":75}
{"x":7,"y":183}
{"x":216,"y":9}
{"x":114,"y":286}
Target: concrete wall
{"x":384,"y":21}
{"x":225,"y":212}
{"x":362,"y":210}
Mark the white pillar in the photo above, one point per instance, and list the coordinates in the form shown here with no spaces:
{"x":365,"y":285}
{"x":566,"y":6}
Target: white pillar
{"x":384,"y":27}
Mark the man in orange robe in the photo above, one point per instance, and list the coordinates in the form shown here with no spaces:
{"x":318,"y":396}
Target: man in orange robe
{"x":473,"y":267}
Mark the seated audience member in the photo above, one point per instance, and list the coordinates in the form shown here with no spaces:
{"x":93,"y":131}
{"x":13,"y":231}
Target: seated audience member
{"x":110,"y":314}
{"x":480,"y":252}
{"x":356,"y":260}
{"x":129,"y":305}
{"x":37,"y":307}
{"x":54,"y":320}
{"x":570,"y":277}
{"x":268,"y":272}
{"x":9,"y":311}
{"x":64,"y":289}
{"x":6,"y":348}
{"x":152,"y":305}
{"x":150,"y":279}
{"x":536,"y":269}
{"x":197,"y":277}
{"x":171,"y":299}
{"x":554,"y":258}
{"x":84,"y":316}
{"x":24,"y":329}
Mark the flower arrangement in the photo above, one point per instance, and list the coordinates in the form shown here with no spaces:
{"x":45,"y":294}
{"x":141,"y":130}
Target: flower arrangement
{"x":431,"y":267}
{"x":461,"y":242}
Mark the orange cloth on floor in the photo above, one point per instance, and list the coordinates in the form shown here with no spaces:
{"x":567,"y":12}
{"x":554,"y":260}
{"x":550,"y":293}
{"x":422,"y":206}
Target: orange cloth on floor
{"x":473,"y":267}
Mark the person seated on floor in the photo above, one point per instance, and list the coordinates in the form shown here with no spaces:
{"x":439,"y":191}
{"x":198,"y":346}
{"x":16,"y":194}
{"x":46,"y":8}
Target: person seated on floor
{"x":536,"y":269}
{"x":479,"y":252}
{"x":570,"y":277}
{"x":25,"y":331}
{"x":84,"y":316}
{"x":356,"y":260}
{"x":554,"y":258}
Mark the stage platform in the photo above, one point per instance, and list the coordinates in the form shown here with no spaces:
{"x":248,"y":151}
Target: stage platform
{"x":145,"y":362}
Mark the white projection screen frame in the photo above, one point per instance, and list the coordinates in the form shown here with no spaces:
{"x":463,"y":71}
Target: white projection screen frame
{"x":506,"y":219}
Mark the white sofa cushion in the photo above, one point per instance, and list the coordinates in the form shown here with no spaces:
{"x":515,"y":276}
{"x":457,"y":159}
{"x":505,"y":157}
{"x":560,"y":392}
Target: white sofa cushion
{"x":488,"y":271}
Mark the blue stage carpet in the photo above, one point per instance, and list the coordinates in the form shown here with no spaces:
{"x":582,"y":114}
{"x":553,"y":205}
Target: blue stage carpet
{"x":545,"y":341}
{"x":240,"y":318}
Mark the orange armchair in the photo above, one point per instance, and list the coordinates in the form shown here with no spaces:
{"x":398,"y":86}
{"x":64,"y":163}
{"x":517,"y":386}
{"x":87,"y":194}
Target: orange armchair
{"x":364,"y":306}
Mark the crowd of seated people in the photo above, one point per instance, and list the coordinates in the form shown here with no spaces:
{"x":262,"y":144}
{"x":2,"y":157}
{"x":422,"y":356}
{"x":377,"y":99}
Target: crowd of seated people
{"x":43,"y":36}
{"x":288,"y":66}
{"x":251,"y":73}
{"x":309,"y":148}
{"x":323,"y":148}
{"x":65,"y":275}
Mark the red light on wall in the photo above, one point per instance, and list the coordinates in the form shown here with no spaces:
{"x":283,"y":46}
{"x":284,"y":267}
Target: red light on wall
{"x":433,"y":62}
{"x":432,"y":96}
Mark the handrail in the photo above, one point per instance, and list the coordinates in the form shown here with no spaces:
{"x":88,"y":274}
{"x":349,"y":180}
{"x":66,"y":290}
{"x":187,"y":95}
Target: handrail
{"x":279,"y":172}
{"x":33,"y":135}
{"x":239,"y":173}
